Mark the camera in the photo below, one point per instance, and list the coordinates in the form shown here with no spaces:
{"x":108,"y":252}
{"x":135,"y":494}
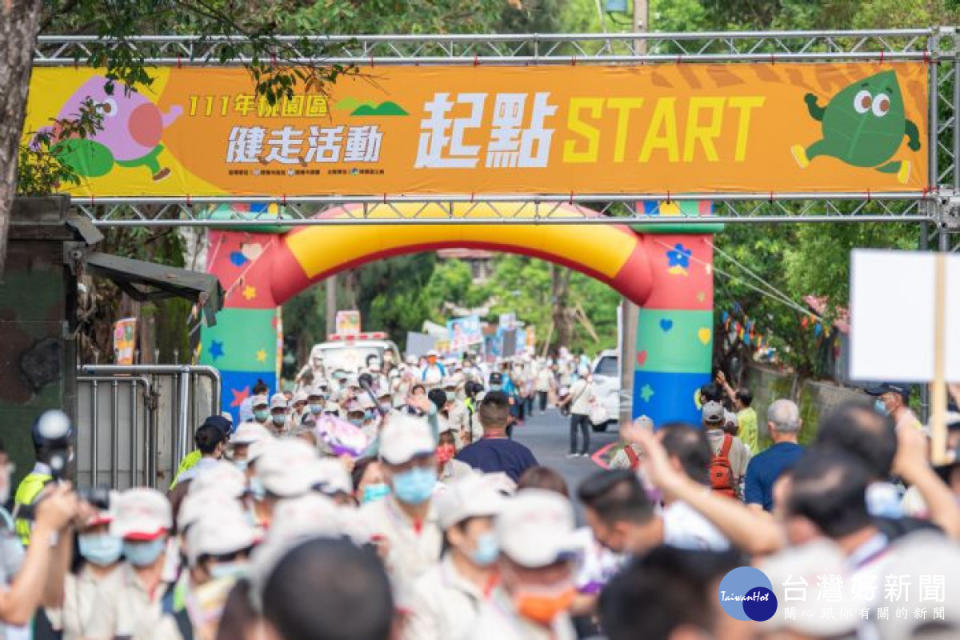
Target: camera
{"x":473,"y":388}
{"x":98,"y":497}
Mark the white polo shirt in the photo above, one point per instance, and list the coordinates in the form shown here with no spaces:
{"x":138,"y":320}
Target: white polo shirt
{"x":443,"y":604}
{"x":413,"y":548}
{"x":498,"y":619}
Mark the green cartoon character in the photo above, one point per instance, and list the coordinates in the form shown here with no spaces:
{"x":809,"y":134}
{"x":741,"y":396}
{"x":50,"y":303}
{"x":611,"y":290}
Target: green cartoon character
{"x":864,"y":126}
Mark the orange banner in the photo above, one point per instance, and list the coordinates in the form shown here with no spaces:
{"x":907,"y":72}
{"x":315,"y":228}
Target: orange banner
{"x":522,"y":130}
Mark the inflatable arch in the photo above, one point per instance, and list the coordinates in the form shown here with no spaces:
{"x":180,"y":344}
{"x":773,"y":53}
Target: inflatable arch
{"x":669,"y":275}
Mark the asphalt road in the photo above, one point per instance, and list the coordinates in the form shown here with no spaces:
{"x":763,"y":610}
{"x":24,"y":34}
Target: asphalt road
{"x":548,"y":436}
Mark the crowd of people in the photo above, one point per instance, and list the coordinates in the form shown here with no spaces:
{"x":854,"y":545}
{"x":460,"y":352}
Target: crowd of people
{"x":392,"y":503}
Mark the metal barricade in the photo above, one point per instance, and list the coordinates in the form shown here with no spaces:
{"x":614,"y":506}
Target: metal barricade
{"x":135,"y":423}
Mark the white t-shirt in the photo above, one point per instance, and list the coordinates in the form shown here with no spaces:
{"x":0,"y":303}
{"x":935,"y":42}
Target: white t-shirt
{"x":582,"y":394}
{"x":685,"y":528}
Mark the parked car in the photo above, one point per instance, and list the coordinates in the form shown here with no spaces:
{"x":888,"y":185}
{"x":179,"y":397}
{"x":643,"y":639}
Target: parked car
{"x":606,"y":381}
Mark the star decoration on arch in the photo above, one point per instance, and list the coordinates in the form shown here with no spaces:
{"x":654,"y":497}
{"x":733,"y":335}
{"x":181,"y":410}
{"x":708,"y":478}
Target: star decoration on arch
{"x":216,"y":349}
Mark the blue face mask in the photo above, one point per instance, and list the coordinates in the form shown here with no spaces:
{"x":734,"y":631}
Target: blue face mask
{"x":279,"y":419}
{"x":143,"y":554}
{"x":880,"y":407}
{"x":257,"y":489}
{"x":415,"y":486}
{"x":316,"y":408}
{"x":495,"y":387}
{"x":261,"y":415}
{"x":487,"y":550}
{"x":222,"y":570}
{"x":100,"y":549}
{"x":241,"y":464}
{"x":357,"y":422}
{"x":374,"y":492}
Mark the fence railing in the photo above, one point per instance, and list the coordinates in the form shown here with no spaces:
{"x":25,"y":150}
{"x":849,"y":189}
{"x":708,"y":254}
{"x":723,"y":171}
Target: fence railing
{"x":135,"y":423}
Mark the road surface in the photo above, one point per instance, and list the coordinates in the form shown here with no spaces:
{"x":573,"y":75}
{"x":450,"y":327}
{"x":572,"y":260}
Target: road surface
{"x":548,"y":436}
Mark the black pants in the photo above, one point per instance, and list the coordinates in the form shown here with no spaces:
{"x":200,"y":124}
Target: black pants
{"x":529,"y":403}
{"x":543,"y":400}
{"x":583,"y":422}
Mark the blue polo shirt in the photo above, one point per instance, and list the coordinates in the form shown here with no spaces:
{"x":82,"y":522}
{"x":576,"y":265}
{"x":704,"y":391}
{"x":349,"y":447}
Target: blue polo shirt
{"x":491,"y":455}
{"x":764,"y":469}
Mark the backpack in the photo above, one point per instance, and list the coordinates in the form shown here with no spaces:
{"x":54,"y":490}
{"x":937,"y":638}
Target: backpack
{"x":721,"y":471}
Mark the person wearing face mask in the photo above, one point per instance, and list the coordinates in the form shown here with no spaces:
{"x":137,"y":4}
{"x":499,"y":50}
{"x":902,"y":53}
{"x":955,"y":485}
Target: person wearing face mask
{"x":238,"y":448}
{"x":298,"y":407}
{"x":101,"y":556}
{"x":219,"y":544}
{"x":448,"y":468}
{"x":406,"y":519}
{"x":316,"y":399}
{"x":433,"y":372}
{"x":385,"y":401}
{"x":892,"y":399}
{"x":446,"y":599}
{"x":579,"y":400}
{"x":279,"y":411}
{"x":535,"y":535}
{"x":281,"y":471}
{"x":142,"y":519}
{"x":368,"y":481}
{"x":261,"y":410}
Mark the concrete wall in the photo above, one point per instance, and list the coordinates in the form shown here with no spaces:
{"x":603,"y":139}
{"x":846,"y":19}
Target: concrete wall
{"x":815,"y":398}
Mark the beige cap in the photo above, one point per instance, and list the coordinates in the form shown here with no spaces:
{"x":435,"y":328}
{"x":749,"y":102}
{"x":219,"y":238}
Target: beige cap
{"x":300,"y":396}
{"x":196,"y":503}
{"x":278,"y":401}
{"x":140,"y":514}
{"x":223,"y":476}
{"x":221,"y":530}
{"x":284,"y":467}
{"x":329,"y":476}
{"x":260,"y":401}
{"x":250,"y":432}
{"x":535,"y":528}
{"x":472,"y":496}
{"x":404,"y":438}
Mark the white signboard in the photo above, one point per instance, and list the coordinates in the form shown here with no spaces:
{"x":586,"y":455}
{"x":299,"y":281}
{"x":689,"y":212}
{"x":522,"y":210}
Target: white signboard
{"x":892,"y":313}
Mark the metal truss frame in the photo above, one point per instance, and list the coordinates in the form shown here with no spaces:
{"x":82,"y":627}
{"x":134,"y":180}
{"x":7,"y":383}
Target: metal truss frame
{"x":936,"y":211}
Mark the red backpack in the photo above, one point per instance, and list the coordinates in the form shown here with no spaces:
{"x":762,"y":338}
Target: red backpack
{"x":721,"y":471}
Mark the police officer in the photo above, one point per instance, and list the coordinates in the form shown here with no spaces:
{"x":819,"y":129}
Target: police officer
{"x":51,"y":434}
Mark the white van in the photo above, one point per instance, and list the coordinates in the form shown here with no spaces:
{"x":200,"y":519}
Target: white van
{"x":606,"y":381}
{"x":350,"y":353}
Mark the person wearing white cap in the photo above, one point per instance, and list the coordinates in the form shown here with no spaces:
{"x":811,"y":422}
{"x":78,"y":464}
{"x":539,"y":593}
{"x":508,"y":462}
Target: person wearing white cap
{"x":279,"y":411}
{"x":446,"y":599}
{"x":628,"y":457}
{"x":101,"y":553}
{"x":238,"y":448}
{"x":406,"y":519}
{"x":330,"y":477}
{"x":218,"y":547}
{"x":535,"y":533}
{"x":281,"y":471}
{"x":142,"y":519}
{"x":298,"y":407}
{"x":316,"y":398}
{"x":261,"y":409}
{"x":433,"y":372}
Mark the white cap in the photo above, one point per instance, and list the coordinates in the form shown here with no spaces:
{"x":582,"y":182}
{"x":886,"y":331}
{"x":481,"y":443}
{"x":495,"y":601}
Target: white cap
{"x":258,"y":447}
{"x":315,"y":390}
{"x":366,"y":402}
{"x":433,"y":352}
{"x":196,"y":503}
{"x":331,"y":407}
{"x":260,"y":401}
{"x":411,"y":359}
{"x":470,"y":497}
{"x":250,"y":432}
{"x":330,"y":476}
{"x":300,"y":396}
{"x":448,"y":382}
{"x":404,"y":438}
{"x":535,"y":528}
{"x":222,"y":476}
{"x":221,"y":530}
{"x":140,"y":514}
{"x":284,"y":467}
{"x":278,"y":401}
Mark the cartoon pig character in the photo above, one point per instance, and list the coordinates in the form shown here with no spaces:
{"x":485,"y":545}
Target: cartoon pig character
{"x":132,"y":127}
